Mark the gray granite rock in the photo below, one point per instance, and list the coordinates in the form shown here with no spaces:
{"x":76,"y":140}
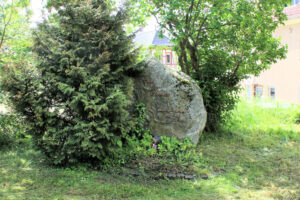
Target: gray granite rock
{"x":171,"y":176}
{"x":190,"y":177}
{"x":173,"y":101}
{"x":180,"y":175}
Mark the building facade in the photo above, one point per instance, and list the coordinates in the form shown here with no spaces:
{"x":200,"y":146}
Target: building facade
{"x":282,"y":80}
{"x":160,"y":47}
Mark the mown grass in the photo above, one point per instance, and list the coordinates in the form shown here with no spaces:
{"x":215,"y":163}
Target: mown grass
{"x":257,"y":157}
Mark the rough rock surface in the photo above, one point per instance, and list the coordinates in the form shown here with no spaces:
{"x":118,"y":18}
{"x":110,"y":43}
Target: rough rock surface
{"x":173,"y":101}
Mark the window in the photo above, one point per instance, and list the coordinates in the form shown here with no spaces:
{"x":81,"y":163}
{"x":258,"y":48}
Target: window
{"x":168,"y":58}
{"x":249,"y":92}
{"x":272,"y":92}
{"x":299,"y":95}
{"x":294,"y":2}
{"x":258,"y":91}
{"x":159,"y":58}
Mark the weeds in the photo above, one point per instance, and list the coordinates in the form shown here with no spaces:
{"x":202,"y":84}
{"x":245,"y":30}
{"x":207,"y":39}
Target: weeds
{"x":263,"y":120}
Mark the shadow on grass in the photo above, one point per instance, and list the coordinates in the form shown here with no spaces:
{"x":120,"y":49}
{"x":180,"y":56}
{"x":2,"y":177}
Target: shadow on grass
{"x":236,"y":169}
{"x":23,"y":176}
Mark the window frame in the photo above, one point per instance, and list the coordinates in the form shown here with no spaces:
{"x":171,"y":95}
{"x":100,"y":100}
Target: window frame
{"x":255,"y":92}
{"x":249,"y":91}
{"x":270,"y":92}
{"x":294,"y":2}
{"x":168,"y":54}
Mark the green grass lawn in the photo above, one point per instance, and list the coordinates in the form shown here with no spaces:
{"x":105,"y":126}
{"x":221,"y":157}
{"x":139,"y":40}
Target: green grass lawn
{"x":258,"y":157}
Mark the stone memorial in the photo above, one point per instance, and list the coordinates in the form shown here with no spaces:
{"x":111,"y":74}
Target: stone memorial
{"x":174,"y":104}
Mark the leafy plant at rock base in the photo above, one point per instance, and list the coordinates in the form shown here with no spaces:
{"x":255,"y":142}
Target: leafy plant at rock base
{"x":178,"y":152}
{"x":75,"y":98}
{"x":170,"y":147}
{"x":219,"y":43}
{"x":169,"y":156}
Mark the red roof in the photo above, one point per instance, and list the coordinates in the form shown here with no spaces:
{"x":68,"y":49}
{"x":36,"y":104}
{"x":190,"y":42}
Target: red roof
{"x":293,"y":11}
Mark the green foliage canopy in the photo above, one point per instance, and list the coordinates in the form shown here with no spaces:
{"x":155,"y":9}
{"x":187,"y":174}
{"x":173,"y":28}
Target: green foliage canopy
{"x":219,"y":42}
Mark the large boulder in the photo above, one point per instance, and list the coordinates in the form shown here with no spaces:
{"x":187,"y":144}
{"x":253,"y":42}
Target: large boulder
{"x":173,"y":101}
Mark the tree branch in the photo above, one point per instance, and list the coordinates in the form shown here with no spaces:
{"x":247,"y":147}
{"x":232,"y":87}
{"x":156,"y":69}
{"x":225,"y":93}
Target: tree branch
{"x":188,"y":17}
{"x":200,"y":29}
{"x":6,"y":25}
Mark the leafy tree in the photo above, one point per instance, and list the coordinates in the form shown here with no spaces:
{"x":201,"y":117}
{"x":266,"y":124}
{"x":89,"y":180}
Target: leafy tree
{"x":219,"y":43}
{"x":14,"y":47}
{"x":14,"y":29}
{"x":75,"y":99}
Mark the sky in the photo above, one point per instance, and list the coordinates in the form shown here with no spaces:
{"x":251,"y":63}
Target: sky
{"x":36,"y":7}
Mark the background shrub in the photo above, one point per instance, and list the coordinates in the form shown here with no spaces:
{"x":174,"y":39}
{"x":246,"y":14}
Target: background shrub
{"x":12,"y":131}
{"x":297,"y":118}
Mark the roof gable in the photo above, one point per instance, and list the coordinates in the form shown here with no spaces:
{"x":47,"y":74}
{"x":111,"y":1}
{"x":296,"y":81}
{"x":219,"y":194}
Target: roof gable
{"x":165,"y":41}
{"x":152,"y":38}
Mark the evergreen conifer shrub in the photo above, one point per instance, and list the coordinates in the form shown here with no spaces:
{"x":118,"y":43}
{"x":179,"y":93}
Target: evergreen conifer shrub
{"x":76,"y":97}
